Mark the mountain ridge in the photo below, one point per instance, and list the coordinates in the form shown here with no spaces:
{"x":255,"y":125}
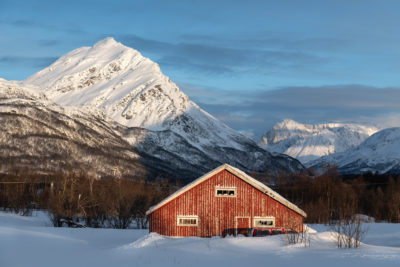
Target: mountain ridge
{"x":39,"y":136}
{"x":149,"y":112}
{"x":308,"y":142}
{"x":378,"y":153}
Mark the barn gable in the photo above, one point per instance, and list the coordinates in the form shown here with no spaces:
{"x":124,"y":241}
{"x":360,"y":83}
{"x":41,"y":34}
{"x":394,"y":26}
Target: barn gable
{"x":239,"y":174}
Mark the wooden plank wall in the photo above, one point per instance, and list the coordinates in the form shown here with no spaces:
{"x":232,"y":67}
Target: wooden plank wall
{"x":217,"y":214}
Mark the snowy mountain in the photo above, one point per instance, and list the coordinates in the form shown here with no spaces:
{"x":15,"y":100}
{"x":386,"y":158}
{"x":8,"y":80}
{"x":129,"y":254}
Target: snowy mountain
{"x":160,"y":123}
{"x":128,"y":87}
{"x":37,"y":135}
{"x":40,"y":136}
{"x":308,"y":142}
{"x":378,"y":153}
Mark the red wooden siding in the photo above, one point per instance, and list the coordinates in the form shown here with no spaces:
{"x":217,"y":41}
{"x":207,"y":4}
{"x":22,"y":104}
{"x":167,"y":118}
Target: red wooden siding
{"x":217,"y":214}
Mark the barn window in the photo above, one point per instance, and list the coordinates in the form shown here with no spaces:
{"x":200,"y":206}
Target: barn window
{"x":264,"y":221}
{"x":225,"y":191}
{"x":188,"y":220}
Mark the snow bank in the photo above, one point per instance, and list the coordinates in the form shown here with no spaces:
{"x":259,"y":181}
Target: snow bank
{"x":147,"y":240}
{"x":27,"y":241}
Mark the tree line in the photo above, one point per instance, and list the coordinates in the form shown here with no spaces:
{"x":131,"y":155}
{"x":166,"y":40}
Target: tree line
{"x":331,"y":196}
{"x":76,"y":200}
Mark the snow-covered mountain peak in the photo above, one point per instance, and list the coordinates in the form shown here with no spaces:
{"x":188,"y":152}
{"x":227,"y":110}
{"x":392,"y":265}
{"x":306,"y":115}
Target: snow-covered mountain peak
{"x":378,"y":153}
{"x":383,"y":145}
{"x":307,"y":142}
{"x":106,"y":42}
{"x":116,"y":86}
{"x":290,"y":125}
{"x":130,"y":88}
{"x":284,"y":130}
{"x":152,"y":113}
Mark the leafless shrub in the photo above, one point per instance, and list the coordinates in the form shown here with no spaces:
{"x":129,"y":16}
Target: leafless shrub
{"x":292,"y":237}
{"x":349,"y":232}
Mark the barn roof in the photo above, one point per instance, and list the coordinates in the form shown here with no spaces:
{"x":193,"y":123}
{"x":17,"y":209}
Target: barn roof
{"x":240,"y":174}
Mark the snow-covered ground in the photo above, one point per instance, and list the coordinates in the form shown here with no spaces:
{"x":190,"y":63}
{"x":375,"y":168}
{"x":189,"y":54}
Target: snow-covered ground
{"x":31,"y":241}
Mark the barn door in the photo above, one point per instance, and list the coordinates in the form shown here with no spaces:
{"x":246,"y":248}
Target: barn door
{"x":209,"y":226}
{"x":242,"y":224}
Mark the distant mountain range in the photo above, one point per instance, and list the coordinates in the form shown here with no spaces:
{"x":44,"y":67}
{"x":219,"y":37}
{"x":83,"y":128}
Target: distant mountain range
{"x":116,"y":103}
{"x":353,"y":148}
{"x":110,"y":111}
{"x":309,"y":142}
{"x":378,"y":153}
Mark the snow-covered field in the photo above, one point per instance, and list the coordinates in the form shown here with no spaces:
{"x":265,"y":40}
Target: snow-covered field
{"x":31,"y":241}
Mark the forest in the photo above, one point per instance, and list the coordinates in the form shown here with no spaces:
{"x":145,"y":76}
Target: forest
{"x":331,"y":196}
{"x":78,"y":200}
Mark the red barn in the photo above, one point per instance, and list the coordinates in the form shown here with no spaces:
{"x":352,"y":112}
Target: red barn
{"x":226,"y":198}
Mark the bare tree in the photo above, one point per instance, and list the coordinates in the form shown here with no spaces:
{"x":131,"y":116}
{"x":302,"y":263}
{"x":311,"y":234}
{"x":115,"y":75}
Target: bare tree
{"x":349,"y":232}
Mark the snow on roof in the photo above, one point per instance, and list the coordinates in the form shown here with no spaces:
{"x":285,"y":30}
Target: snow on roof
{"x":240,"y":174}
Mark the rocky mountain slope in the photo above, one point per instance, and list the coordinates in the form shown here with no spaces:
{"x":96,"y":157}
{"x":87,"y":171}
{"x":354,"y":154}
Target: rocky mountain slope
{"x":38,"y":136}
{"x":378,"y":153}
{"x":158,"y":122}
{"x":308,"y":142}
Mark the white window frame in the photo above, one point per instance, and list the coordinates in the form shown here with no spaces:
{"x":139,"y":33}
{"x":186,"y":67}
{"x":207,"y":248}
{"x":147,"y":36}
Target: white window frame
{"x":187,"y":217}
{"x":225,"y":188}
{"x":269,"y":218}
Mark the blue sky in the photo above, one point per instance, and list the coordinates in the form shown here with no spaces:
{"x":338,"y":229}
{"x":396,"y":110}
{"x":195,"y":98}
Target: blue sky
{"x":249,"y":63}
